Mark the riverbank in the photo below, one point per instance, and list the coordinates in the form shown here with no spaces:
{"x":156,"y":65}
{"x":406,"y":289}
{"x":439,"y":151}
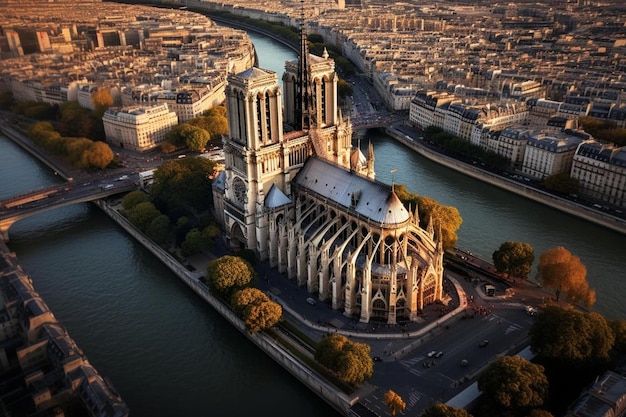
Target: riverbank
{"x":567,"y":206}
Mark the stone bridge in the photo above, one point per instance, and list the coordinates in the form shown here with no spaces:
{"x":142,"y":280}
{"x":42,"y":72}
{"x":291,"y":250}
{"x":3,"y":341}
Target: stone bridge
{"x":38,"y":201}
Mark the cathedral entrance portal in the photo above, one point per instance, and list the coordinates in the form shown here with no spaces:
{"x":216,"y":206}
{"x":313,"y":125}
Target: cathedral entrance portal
{"x":237,"y":238}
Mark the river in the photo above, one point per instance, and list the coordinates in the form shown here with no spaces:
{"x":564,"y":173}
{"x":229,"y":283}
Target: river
{"x":169,"y":354}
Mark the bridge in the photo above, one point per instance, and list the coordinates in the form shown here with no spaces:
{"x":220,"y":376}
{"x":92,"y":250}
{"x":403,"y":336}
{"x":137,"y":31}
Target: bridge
{"x":44,"y":199}
{"x":372,"y":120}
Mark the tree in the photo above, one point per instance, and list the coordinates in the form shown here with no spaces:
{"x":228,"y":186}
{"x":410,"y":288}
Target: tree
{"x":563,"y":272}
{"x":159,"y":229}
{"x":561,"y":183}
{"x":442,"y":410}
{"x":447,"y":217}
{"x":142,"y":215}
{"x":184,"y":181}
{"x":514,"y":258}
{"x":101,"y":101}
{"x":75,"y":120}
{"x":513,"y":384}
{"x":133,"y":198}
{"x":570,"y":336}
{"x":394,"y":402}
{"x":537,"y":412}
{"x":197,"y":240}
{"x":256,"y":309}
{"x":618,"y":327}
{"x":196,"y":138}
{"x":97,"y":155}
{"x":350,"y":361}
{"x":229,"y":274}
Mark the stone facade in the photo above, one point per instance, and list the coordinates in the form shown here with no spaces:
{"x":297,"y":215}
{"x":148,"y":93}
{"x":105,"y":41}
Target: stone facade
{"x":306,"y":200}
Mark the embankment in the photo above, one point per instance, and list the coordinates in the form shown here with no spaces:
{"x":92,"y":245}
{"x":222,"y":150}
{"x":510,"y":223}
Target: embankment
{"x":567,"y":206}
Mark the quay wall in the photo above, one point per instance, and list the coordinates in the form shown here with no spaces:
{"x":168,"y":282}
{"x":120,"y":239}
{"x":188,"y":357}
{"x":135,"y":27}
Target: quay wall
{"x":309,"y":378}
{"x":611,"y":222}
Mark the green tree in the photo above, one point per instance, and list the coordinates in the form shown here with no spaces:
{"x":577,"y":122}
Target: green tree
{"x":228,"y":274}
{"x":196,"y":138}
{"x":618,"y":327}
{"x":513,"y":385}
{"x":159,"y":229}
{"x":447,"y":217}
{"x":184,"y":181}
{"x":256,"y":309}
{"x":142,"y":215}
{"x":394,"y":402}
{"x":350,"y":361}
{"x":75,"y":120}
{"x":561,"y":183}
{"x":514,"y":259}
{"x":570,"y":336}
{"x":442,"y":410}
{"x":563,"y":272}
{"x":133,"y":198}
{"x":195,"y":242}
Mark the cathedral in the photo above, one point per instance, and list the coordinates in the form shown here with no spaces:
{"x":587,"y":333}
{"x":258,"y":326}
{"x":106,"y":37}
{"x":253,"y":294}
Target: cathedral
{"x":296,"y":192}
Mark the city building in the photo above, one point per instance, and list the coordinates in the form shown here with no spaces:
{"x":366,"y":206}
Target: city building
{"x":601,"y":172}
{"x":550,"y":153}
{"x":48,"y":372}
{"x":138,"y":128}
{"x":306,"y":200}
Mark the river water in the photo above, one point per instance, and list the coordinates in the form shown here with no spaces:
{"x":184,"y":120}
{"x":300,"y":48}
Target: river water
{"x":170,"y":355}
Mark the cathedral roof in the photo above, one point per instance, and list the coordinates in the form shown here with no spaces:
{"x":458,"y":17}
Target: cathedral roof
{"x":276,"y":198}
{"x":254,"y":72}
{"x":371,"y":199}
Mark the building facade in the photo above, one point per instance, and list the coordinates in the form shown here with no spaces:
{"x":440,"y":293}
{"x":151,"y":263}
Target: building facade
{"x":601,"y":172}
{"x":306,"y":200}
{"x":138,"y":128}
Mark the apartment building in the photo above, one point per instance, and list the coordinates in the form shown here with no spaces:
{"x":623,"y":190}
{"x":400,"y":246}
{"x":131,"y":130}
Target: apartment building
{"x":509,"y":142}
{"x":138,"y":128}
{"x":550,"y":153}
{"x":601,"y":172}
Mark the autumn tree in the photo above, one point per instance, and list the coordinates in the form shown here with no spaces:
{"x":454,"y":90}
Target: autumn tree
{"x":256,"y":309}
{"x":514,"y":259}
{"x":394,"y":402}
{"x":97,"y":155}
{"x":513,"y":385}
{"x":429,"y":210}
{"x":101,"y":101}
{"x":75,"y":120}
{"x":228,"y":274}
{"x":442,"y":410}
{"x":563,"y":272}
{"x":570,"y":336}
{"x":350,"y":361}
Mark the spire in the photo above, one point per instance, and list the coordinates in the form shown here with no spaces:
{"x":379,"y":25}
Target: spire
{"x":305,"y":115}
{"x":416,"y":215}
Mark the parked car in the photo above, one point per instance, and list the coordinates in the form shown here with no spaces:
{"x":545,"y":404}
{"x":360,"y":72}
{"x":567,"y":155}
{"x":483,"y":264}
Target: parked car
{"x":438,"y":354}
{"x":431,"y":353}
{"x":483,"y":343}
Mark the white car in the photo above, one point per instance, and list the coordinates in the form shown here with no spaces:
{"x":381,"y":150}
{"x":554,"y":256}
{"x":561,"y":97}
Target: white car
{"x":431,"y":354}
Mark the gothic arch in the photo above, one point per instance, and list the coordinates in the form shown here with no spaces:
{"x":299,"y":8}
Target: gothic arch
{"x":237,"y":237}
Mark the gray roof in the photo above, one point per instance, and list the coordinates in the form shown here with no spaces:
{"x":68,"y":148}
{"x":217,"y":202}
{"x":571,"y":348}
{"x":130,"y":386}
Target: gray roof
{"x":255,"y":72}
{"x":371,"y":199}
{"x":276,"y":198}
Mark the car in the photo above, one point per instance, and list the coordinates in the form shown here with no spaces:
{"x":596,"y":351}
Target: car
{"x":438,"y":354}
{"x":483,"y":343}
{"x":377,"y":359}
{"x":431,"y":354}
